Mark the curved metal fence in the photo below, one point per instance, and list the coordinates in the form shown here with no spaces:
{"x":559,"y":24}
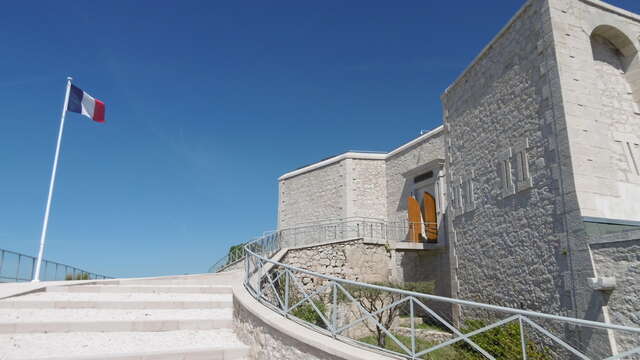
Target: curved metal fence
{"x":416,"y":325}
{"x":333,"y":230}
{"x":232,"y":257}
{"x":16,"y":267}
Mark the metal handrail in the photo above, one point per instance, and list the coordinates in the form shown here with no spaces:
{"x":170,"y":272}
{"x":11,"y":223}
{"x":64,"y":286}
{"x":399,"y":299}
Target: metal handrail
{"x":231,"y":258}
{"x":324,"y":231}
{"x":17,"y":267}
{"x":263,"y":276}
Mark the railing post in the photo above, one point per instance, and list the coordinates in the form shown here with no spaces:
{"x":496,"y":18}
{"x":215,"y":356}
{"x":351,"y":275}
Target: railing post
{"x":259,"y":284}
{"x":413,"y":328}
{"x":246,"y":269}
{"x":334,"y":311}
{"x":286,"y":293}
{"x":18,"y":268}
{"x":1,"y":262}
{"x":522,"y":342}
{"x":33,"y":269}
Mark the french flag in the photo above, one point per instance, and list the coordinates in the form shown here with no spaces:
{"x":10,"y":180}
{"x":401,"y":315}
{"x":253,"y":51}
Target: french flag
{"x":85,"y":104}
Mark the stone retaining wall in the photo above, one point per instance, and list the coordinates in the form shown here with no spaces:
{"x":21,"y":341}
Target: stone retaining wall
{"x":350,"y":259}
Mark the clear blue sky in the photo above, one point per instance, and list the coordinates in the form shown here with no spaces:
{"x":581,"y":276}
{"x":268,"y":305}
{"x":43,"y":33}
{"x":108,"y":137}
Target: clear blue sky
{"x":208,"y":102}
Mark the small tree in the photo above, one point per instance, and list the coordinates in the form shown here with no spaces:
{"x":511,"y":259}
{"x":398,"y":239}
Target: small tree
{"x":374,"y":300}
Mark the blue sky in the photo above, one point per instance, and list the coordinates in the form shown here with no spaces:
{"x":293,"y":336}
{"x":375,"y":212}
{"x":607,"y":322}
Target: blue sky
{"x":208,"y":103}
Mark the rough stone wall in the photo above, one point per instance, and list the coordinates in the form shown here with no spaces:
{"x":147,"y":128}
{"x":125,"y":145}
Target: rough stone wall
{"x":509,"y":249}
{"x":315,"y":195}
{"x":267,"y":343}
{"x":352,"y":260}
{"x":398,"y":187}
{"x":374,"y":263}
{"x":602,"y":117}
{"x":367,"y":189}
{"x":621,"y":259}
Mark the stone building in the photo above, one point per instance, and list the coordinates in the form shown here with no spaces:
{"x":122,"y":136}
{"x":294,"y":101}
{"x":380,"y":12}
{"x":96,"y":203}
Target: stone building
{"x":535,"y":174}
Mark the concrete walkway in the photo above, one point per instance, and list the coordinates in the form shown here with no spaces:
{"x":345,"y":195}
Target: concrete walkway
{"x":182,"y":317}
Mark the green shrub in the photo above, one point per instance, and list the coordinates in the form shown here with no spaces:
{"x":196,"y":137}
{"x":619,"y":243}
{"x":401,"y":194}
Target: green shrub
{"x":82,"y":276}
{"x":235,"y":251}
{"x":307,"y":313}
{"x":446,"y":353}
{"x":502,"y":342}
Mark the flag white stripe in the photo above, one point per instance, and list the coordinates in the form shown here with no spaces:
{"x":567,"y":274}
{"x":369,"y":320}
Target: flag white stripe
{"x":88,"y":105}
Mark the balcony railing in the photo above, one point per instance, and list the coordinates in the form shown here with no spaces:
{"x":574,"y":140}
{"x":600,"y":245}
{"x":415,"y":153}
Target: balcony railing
{"x":16,"y":267}
{"x":333,"y":230}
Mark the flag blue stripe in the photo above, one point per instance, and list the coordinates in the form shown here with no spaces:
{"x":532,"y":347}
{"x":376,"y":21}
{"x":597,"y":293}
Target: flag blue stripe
{"x":75,"y":100}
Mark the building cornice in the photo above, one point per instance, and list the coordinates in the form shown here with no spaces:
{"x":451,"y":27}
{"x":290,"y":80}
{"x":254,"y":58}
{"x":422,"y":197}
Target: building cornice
{"x":614,"y":9}
{"x":415,"y":141}
{"x":335,"y":159}
{"x":361,"y":155}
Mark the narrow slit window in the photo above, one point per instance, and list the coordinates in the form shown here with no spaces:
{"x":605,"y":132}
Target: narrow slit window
{"x":523,"y":165}
{"x":523,"y":177}
{"x":468,"y":190}
{"x":506,"y":182}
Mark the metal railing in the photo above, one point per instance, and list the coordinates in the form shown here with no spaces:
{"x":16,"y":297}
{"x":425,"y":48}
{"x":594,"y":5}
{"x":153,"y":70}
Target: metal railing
{"x":333,"y":230}
{"x":232,"y":257}
{"x":372,"y":315}
{"x":350,"y":228}
{"x":16,"y":267}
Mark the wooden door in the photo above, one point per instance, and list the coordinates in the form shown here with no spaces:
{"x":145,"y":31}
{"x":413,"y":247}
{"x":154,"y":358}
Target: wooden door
{"x":429,"y":214}
{"x":415,"y":219}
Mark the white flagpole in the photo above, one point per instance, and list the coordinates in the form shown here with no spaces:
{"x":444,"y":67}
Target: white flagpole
{"x":43,"y":236}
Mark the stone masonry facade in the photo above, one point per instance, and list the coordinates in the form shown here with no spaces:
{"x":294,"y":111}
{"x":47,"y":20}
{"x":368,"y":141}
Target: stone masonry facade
{"x":312,"y":196}
{"x":508,"y":248}
{"x":596,"y":48}
{"x":398,"y":163}
{"x":540,"y":145}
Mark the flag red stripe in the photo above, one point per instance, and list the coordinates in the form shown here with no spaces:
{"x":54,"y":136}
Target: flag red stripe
{"x":98,"y":111}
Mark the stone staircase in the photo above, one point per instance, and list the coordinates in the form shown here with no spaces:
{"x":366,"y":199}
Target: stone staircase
{"x":184,"y":318}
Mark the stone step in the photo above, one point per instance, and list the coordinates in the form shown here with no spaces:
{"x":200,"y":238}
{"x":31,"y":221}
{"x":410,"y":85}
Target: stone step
{"x":184,"y":344}
{"x":88,"y":304}
{"x":116,"y":296}
{"x":110,"y":320}
{"x":204,"y":279}
{"x":155,"y":289}
{"x":113,"y":326}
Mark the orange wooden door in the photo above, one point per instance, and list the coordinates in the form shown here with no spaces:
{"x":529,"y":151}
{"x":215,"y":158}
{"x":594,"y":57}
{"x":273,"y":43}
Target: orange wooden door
{"x":430,"y":217}
{"x":415,"y":219}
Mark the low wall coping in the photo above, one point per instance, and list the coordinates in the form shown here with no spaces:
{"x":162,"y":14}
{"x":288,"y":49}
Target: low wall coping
{"x":615,"y":237}
{"x":393,"y":245}
{"x":406,"y":245}
{"x":299,"y":332}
